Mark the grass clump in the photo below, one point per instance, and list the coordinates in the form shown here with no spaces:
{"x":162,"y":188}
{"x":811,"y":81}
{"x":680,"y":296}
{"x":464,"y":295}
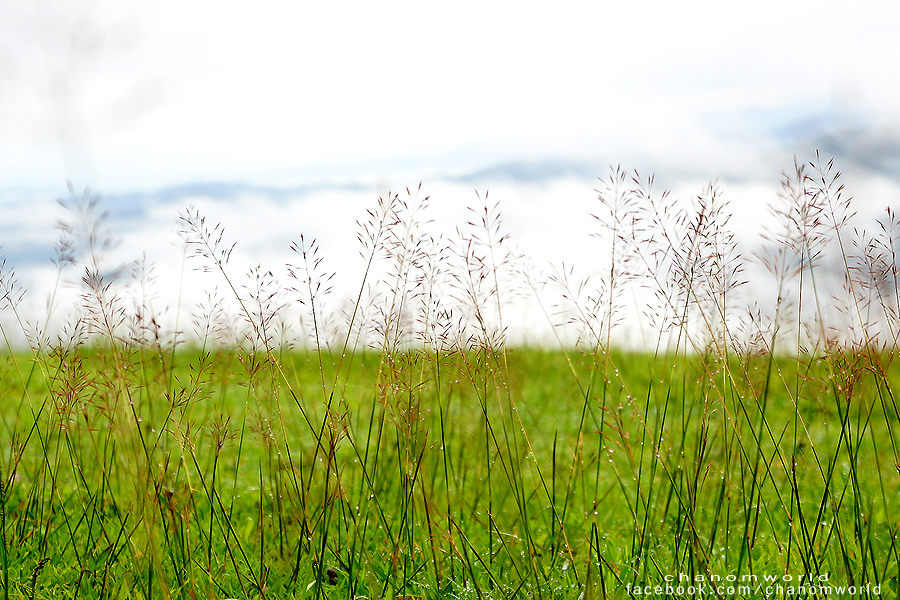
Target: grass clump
{"x":398,"y":447}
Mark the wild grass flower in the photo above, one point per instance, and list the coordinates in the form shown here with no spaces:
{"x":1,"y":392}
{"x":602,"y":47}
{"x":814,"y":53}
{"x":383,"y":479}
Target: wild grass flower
{"x":397,"y":443}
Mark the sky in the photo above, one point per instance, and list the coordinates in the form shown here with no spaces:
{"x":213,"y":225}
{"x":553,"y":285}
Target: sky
{"x":288,"y":117}
{"x":125,"y":96}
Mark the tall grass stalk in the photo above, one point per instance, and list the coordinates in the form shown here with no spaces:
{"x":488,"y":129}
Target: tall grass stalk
{"x":395,"y":444}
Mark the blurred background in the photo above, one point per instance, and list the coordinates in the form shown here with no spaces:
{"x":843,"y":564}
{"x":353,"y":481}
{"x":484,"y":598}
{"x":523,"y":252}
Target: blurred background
{"x":289,"y":118}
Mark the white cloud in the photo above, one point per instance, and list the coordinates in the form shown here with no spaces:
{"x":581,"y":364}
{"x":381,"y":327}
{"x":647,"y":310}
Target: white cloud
{"x":180,"y":91}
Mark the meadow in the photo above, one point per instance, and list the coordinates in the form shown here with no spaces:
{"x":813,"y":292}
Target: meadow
{"x":396,"y":445}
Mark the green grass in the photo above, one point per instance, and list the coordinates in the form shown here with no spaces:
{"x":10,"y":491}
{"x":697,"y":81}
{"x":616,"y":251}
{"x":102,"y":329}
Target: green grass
{"x":438,"y":481}
{"x":403,"y":449}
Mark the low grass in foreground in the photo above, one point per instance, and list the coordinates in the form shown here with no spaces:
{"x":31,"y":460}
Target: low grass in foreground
{"x":422,"y":457}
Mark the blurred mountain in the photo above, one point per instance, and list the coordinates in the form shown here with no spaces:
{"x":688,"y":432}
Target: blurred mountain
{"x":134,"y":203}
{"x":27,"y":234}
{"x":853,"y":146}
{"x":538,"y":171}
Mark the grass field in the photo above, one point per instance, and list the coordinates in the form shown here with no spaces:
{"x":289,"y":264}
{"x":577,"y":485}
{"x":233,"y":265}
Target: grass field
{"x":400,"y":448}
